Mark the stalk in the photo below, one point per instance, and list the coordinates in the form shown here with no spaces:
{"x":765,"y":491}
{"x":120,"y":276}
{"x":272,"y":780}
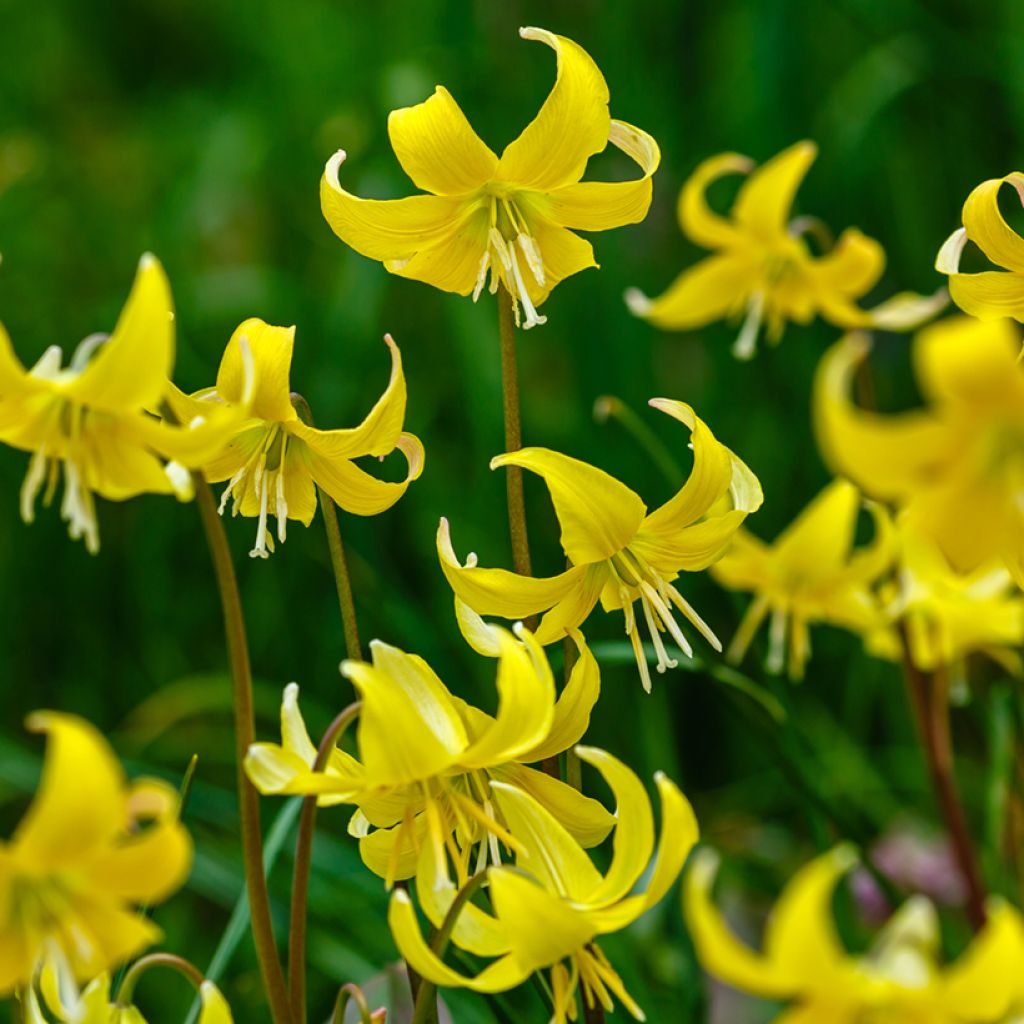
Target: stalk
{"x":245,"y":734}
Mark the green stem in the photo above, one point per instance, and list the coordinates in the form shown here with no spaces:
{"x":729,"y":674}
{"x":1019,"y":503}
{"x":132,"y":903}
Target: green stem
{"x":176,"y":963}
{"x":426,"y":999}
{"x":609,"y":407}
{"x":513,"y":435}
{"x":303,"y":864}
{"x":245,"y":734}
{"x":353,"y":993}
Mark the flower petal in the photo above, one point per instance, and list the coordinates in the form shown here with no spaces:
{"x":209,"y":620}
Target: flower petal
{"x":851,"y":268}
{"x":14,"y":379}
{"x":215,"y":1009}
{"x":438,"y":148}
{"x":678,"y":836}
{"x":570,"y":613}
{"x":598,"y":514}
{"x":132,"y":367}
{"x":563,"y":253}
{"x":989,"y":295}
{"x":818,"y":541}
{"x":271,"y":351}
{"x":449,"y":261}
{"x":600,"y":205}
{"x":986,"y":227}
{"x":698,"y":221}
{"x":765,"y":199}
{"x":570,"y":127}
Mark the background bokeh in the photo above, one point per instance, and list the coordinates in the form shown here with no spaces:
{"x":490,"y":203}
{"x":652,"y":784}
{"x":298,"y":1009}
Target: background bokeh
{"x":199,"y":131}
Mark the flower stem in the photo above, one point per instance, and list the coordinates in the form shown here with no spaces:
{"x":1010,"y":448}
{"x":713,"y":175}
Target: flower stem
{"x":513,"y":435}
{"x":245,"y":734}
{"x":176,"y":963}
{"x":929,"y":700}
{"x":350,"y":992}
{"x":303,"y":863}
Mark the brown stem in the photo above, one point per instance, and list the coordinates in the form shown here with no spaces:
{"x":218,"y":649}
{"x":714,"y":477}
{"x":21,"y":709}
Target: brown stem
{"x":303,"y":864}
{"x":245,"y":734}
{"x":929,"y":699}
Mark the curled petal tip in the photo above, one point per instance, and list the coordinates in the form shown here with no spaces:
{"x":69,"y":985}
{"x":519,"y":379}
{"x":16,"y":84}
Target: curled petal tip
{"x":948,"y":259}
{"x":389,"y":341}
{"x":637,"y":303}
{"x":845,"y":856}
{"x":291,"y":691}
{"x":147,"y":259}
{"x":331,"y":169}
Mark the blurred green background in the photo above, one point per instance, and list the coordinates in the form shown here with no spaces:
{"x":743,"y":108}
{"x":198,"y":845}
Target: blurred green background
{"x":199,"y":131}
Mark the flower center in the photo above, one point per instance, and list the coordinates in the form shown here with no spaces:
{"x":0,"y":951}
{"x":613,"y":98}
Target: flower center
{"x":509,"y":245}
{"x":590,"y":970}
{"x":43,"y":908}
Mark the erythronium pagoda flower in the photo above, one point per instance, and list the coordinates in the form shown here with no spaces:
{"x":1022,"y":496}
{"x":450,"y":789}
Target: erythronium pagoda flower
{"x":899,"y":979}
{"x":619,"y":553}
{"x":949,"y":615}
{"x":763,"y":268}
{"x":89,"y":848}
{"x":956,"y":467}
{"x":425,"y":757}
{"x":92,"y":418}
{"x":991,"y":293}
{"x":811,"y":573}
{"x":550,"y":907}
{"x":275,"y":461}
{"x":509,"y":217}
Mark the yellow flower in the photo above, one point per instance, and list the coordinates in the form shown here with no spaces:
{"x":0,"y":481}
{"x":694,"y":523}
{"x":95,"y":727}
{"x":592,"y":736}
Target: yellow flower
{"x":275,"y":461}
{"x":991,"y":293}
{"x":89,"y":848}
{"x":810,"y":574}
{"x":549,"y":909}
{"x":957,"y":467}
{"x":949,"y":615}
{"x":93,"y":417}
{"x":618,"y":552}
{"x":899,"y":980}
{"x":763,"y":268}
{"x":426,"y":757}
{"x":509,"y":216}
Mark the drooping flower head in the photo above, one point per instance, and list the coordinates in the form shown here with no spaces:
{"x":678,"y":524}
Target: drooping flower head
{"x":811,"y":573}
{"x":900,"y":979}
{"x":425,"y":757}
{"x":92,"y":419}
{"x":89,"y":849}
{"x":763,"y":269}
{"x":510,"y":216}
{"x":957,"y":466}
{"x":551,"y":906}
{"x":274,"y":461}
{"x":620,"y":554}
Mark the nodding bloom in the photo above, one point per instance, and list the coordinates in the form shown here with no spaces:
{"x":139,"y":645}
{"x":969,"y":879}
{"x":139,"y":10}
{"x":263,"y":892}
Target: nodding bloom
{"x":547,"y":911}
{"x":507,"y":217}
{"x":92,"y":419}
{"x":949,"y":615}
{"x":811,"y":573}
{"x":426,"y":758}
{"x":90,"y":849}
{"x":899,"y":979}
{"x":274,"y":461}
{"x":956,"y":467}
{"x":619,"y":553}
{"x":763,"y":269}
{"x":990,"y":294}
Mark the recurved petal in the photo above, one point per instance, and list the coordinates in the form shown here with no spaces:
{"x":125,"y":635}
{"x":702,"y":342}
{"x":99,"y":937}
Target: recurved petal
{"x":80,"y":806}
{"x":598,"y":514}
{"x":698,"y":221}
{"x":765,"y":199}
{"x":132,"y":367}
{"x":679,"y":835}
{"x":989,"y":295}
{"x":438,"y":148}
{"x":986,"y":227}
{"x":571,"y":612}
{"x":817,"y":543}
{"x":852,"y":267}
{"x":14,"y":379}
{"x":571,"y":126}
{"x":385,"y":229}
{"x":691,"y":549}
{"x":499,"y":592}
{"x":710,"y":290}
{"x":719,"y":951}
{"x":599,"y":205}
{"x":270,"y":349}
{"x":393,"y":853}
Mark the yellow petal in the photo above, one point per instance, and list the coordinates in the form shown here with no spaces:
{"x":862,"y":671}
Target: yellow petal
{"x":215,"y":1009}
{"x":852,"y":267}
{"x":599,"y":205}
{"x":989,"y":295}
{"x":817,"y":543}
{"x":131,"y":368}
{"x":986,"y":227}
{"x":377,"y":850}
{"x":698,"y":221}
{"x":598,"y":514}
{"x":79,"y":806}
{"x":691,"y":549}
{"x":563,"y":253}
{"x":570,"y":127}
{"x":765,"y":199}
{"x":569,"y":614}
{"x":710,"y":290}
{"x":438,"y":148}
{"x":14,"y":379}
{"x":499,"y":592}
{"x":526,"y":704}
{"x":719,"y":951}
{"x":678,"y":836}
{"x":391,"y":229}
{"x":451,"y":260}
{"x":408,"y":730}
{"x":271,"y":351}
